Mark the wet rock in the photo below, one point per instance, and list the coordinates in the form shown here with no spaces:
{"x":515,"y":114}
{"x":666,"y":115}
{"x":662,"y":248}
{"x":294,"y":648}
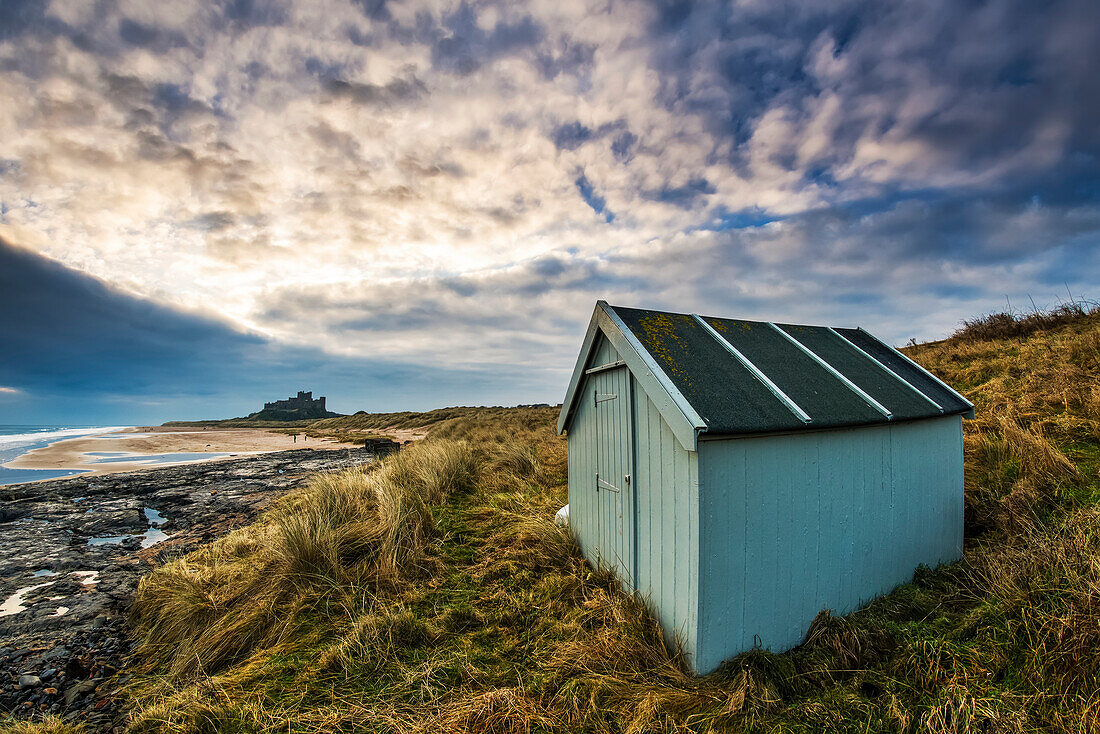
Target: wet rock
{"x":82,"y":688}
{"x":86,"y":535}
{"x":29,"y":681}
{"x":57,"y":652}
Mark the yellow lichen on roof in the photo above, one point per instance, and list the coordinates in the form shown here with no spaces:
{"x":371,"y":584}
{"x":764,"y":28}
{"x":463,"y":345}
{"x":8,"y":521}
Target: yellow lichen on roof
{"x":659,"y":333}
{"x":724,"y":326}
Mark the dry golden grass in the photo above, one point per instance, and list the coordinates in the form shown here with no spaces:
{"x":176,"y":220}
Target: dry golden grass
{"x":1005,"y":325}
{"x":48,"y":725}
{"x":350,"y":533}
{"x":433,"y":593}
{"x":1046,"y":378}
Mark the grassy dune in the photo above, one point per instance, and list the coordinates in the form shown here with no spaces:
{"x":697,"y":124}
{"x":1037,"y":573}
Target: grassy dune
{"x":359,"y":426}
{"x":433,"y":592}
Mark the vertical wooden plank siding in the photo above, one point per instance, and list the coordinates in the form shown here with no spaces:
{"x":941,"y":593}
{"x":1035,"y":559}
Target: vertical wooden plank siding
{"x":792,"y":524}
{"x":579,"y":461}
{"x":584,"y":515}
{"x":604,"y":353}
{"x":660,"y":506}
{"x":666,"y":490}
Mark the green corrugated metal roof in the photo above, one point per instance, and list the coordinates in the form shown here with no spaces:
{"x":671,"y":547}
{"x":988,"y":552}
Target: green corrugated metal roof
{"x":756,"y":377}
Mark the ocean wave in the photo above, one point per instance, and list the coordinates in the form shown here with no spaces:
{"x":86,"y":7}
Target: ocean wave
{"x":15,"y":440}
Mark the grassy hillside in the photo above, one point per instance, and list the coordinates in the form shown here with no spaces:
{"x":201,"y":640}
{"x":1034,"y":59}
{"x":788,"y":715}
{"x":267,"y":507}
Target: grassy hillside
{"x":359,"y":426}
{"x":239,"y":423}
{"x":433,"y":592}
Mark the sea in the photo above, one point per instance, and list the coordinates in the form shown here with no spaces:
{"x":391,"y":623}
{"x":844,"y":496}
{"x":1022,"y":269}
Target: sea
{"x":16,"y":440}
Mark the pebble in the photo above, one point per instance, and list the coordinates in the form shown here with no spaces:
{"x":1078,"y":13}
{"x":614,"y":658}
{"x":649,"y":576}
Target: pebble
{"x":29,"y":681}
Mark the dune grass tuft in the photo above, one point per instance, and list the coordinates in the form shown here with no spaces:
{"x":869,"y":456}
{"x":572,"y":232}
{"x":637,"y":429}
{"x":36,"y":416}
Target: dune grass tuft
{"x":344,"y":538}
{"x":1007,"y":325}
{"x":47,"y":725}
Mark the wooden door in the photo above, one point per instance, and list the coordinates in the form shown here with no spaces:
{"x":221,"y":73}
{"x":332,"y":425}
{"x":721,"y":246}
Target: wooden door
{"x":614,"y":472}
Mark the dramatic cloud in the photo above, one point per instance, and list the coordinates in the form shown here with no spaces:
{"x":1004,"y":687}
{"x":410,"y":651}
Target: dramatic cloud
{"x":445,"y":188}
{"x":81,"y":351}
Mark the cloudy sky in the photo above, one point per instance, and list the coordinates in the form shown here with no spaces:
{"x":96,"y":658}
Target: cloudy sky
{"x":412,"y":204}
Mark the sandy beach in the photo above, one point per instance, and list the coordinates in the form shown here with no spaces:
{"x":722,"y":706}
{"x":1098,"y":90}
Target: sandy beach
{"x":148,"y":447}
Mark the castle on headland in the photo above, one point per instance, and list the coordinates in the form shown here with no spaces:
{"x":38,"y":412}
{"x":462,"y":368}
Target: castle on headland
{"x":303,"y":406}
{"x":304,"y":401}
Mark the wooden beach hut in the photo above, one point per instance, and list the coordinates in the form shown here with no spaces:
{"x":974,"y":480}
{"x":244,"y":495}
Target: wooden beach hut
{"x":741,"y":476}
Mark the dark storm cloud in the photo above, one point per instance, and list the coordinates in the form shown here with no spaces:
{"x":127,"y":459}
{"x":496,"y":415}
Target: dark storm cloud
{"x":78,"y":350}
{"x":758,"y":54}
{"x":975,"y":82}
{"x":154,"y":146}
{"x":966,"y":254}
{"x":343,"y":143}
{"x":17,"y":15}
{"x":73,"y":332}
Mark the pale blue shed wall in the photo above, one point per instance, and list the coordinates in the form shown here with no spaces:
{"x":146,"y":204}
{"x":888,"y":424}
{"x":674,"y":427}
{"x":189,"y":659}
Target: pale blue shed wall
{"x":667,"y":501}
{"x":663,"y":496}
{"x":793,"y":524}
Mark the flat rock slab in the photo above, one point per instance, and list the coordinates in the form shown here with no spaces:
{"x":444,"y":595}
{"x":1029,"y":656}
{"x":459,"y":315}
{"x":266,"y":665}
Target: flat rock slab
{"x":72,"y":551}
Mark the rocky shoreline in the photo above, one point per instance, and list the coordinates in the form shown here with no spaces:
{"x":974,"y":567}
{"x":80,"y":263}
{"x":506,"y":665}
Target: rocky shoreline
{"x":72,"y":551}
